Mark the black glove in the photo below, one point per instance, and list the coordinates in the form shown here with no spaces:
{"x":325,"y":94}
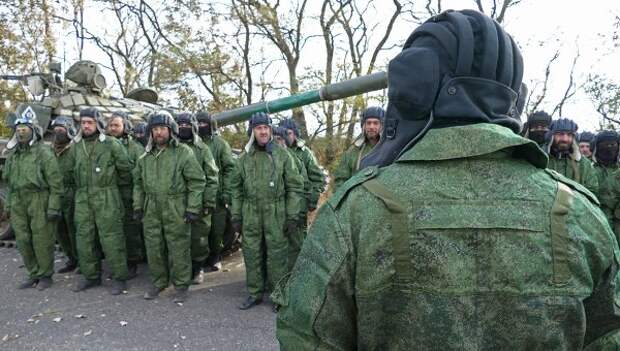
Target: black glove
{"x":236,"y":225}
{"x":291,"y":227}
{"x":138,"y":215}
{"x":208,"y":210}
{"x":191,"y":217}
{"x":5,"y":216}
{"x":53,"y":216}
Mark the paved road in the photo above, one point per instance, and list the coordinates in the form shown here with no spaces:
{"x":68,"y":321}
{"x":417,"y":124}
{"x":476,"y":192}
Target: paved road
{"x":209,"y":320}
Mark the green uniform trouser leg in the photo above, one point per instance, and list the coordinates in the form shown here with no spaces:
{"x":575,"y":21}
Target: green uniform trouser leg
{"x":218,"y":228}
{"x":98,"y":217}
{"x":264,"y":246}
{"x":200,"y":239}
{"x":168,"y":239}
{"x":65,"y":234}
{"x":34,"y":234}
{"x":134,"y":239}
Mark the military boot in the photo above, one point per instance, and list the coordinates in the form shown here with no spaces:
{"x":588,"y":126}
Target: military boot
{"x":28,"y":283}
{"x":70,"y":266}
{"x":44,"y":283}
{"x":152,"y":293}
{"x":180,"y":295}
{"x":118,"y":286}
{"x":84,"y":284}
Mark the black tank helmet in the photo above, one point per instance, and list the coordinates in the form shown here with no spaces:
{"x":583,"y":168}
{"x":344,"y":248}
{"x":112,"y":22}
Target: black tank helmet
{"x":372,"y":112}
{"x":459,"y":67}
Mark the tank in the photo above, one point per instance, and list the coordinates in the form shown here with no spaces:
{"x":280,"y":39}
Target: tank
{"x":83,"y":86}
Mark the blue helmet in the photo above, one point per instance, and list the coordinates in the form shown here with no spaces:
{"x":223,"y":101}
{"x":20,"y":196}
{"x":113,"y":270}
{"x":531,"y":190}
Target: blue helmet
{"x":563,"y":125}
{"x":372,"y":112}
{"x":289,"y":123}
{"x":257,"y":119}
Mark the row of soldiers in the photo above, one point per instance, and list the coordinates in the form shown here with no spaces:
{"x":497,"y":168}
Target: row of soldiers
{"x":162,"y":193}
{"x":592,"y":160}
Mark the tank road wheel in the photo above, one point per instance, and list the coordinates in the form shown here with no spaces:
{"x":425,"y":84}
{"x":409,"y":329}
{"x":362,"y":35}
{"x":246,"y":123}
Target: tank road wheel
{"x":6,"y":232}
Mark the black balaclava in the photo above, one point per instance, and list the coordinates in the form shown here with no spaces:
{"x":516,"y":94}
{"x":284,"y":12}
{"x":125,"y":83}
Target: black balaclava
{"x":606,"y":148}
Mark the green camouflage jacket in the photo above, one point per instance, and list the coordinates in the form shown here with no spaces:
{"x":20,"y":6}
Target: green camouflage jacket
{"x":471,"y":248}
{"x":225,"y":163}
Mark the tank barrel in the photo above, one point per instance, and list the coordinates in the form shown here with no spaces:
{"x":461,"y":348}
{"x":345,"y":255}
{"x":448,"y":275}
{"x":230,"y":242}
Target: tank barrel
{"x":340,"y":90}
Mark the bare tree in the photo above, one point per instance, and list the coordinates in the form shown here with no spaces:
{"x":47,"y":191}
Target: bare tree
{"x":497,"y":9}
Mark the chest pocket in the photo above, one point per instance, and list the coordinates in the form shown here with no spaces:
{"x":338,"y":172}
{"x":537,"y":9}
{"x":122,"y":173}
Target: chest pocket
{"x":460,"y":246}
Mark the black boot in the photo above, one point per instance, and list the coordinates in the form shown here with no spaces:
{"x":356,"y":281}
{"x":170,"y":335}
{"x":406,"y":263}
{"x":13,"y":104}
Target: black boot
{"x":84,"y":284}
{"x":250,"y":302}
{"x":70,"y":266}
{"x":118,"y":286}
{"x":180,"y":294}
{"x":28,"y":283}
{"x":44,"y":283}
{"x":152,"y":292}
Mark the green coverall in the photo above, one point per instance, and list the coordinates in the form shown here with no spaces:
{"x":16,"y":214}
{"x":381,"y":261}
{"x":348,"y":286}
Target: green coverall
{"x":226,"y":165}
{"x":168,"y":183}
{"x":200,"y":229}
{"x":266,"y":193}
{"x":34,"y":190}
{"x":65,"y":234}
{"x":134,"y":240}
{"x":296,"y":240}
{"x":100,"y":162}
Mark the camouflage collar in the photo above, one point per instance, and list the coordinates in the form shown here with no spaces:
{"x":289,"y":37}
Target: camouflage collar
{"x":471,"y":141}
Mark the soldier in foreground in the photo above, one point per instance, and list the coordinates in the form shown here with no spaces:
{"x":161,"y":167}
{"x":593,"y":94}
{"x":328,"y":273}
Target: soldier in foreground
{"x":200,"y":229}
{"x":119,"y":127}
{"x":168,"y":186}
{"x":33,"y":199}
{"x":101,"y":162}
{"x":605,"y":158}
{"x":471,"y":248}
{"x":585,"y":139}
{"x":64,"y":132}
{"x":565,"y":157}
{"x":265,"y":201}
{"x":371,"y":124}
{"x":207,"y":129}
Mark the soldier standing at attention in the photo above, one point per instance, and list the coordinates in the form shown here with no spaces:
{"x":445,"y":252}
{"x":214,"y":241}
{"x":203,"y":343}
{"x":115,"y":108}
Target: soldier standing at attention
{"x":64,"y":132}
{"x":437,"y":247}
{"x":119,"y":127}
{"x":33,"y":199}
{"x":207,"y":129}
{"x":265,"y":206}
{"x":101,"y":162}
{"x":372,"y":124}
{"x":188,"y":135}
{"x":168,"y":197}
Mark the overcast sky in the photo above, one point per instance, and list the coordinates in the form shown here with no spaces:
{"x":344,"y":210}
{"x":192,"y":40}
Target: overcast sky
{"x":539,"y":26}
